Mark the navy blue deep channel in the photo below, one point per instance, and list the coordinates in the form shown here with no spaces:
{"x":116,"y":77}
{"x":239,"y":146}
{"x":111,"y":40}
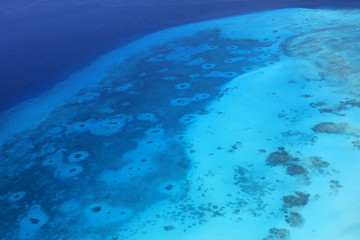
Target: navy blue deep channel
{"x":42,"y":42}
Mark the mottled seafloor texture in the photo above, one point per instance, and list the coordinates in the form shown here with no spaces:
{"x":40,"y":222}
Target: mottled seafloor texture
{"x":239,"y":128}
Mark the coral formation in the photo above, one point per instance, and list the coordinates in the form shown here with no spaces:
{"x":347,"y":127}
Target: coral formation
{"x":280,"y":157}
{"x":300,"y":199}
{"x":278,"y":234}
{"x":294,"y":219}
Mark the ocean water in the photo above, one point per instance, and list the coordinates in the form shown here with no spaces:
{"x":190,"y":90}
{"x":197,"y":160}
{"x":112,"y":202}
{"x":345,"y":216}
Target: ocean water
{"x":244,"y":127}
{"x":43,"y":42}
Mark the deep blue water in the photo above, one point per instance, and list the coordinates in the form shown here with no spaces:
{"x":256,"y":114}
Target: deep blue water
{"x":42,"y":42}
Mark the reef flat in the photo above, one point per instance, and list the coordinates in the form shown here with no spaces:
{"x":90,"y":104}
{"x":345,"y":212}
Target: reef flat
{"x":238,"y":128}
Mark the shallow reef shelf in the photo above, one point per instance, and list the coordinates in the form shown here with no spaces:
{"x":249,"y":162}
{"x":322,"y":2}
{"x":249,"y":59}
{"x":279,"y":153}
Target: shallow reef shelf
{"x":238,"y":128}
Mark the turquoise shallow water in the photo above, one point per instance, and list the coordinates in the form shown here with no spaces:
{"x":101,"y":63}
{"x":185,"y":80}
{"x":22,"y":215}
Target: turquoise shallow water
{"x":238,"y":128}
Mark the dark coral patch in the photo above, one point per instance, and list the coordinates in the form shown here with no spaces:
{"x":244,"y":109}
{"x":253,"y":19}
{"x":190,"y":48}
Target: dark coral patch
{"x":294,"y":219}
{"x":96,"y":209}
{"x":34,"y":220}
{"x":169,"y":187}
{"x":356,"y":144}
{"x":330,"y":127}
{"x":280,"y":157}
{"x":294,"y":169}
{"x":298,"y":200}
{"x":277,"y":234}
